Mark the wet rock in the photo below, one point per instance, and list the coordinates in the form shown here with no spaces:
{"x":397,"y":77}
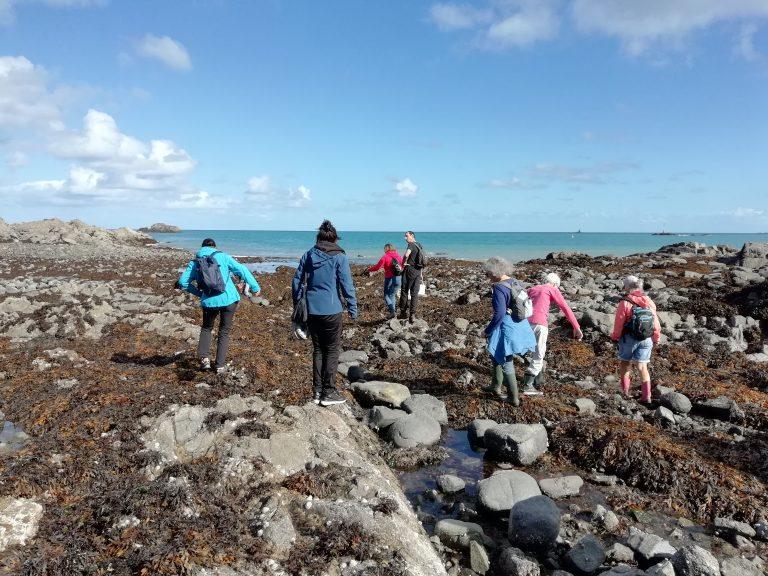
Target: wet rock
{"x":378,"y":392}
{"x":513,"y":562}
{"x":427,"y":404}
{"x":739,"y":567}
{"x":534,"y":523}
{"x":19,"y":519}
{"x":586,"y":556}
{"x":649,"y":548}
{"x":450,"y":484}
{"x":380,"y":417}
{"x":355,"y":373}
{"x":677,"y":402}
{"x":728,"y":526}
{"x":720,"y":408}
{"x":457,"y":533}
{"x":562,"y":487}
{"x":519,"y":443}
{"x":415,"y":430}
{"x":477,"y":429}
{"x":504,"y":489}
{"x":693,"y":560}
{"x":605,"y":518}
{"x":478,"y":558}
{"x":619,"y":554}
{"x":586,"y":406}
{"x":663,"y":568}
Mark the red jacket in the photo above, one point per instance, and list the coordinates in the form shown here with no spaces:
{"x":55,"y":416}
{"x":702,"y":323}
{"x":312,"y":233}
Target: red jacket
{"x":624,"y":314}
{"x":386,"y":263}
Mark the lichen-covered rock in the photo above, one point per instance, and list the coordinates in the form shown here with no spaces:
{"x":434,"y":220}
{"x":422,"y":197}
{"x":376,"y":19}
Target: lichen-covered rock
{"x":19,"y":519}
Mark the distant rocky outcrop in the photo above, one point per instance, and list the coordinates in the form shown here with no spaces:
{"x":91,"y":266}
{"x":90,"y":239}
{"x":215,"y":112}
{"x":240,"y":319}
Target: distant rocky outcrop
{"x":55,"y":231}
{"x":160,"y":228}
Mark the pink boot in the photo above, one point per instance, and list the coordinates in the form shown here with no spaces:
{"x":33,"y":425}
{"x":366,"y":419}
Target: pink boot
{"x":645,"y":393}
{"x":625,"y":385}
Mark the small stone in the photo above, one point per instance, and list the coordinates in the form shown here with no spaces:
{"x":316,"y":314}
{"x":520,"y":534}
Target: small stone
{"x":677,"y":402}
{"x":513,"y":562}
{"x":604,"y":479}
{"x":461,"y":324}
{"x":450,"y":484}
{"x":663,"y":568}
{"x":586,"y":406}
{"x":605,"y":518}
{"x":618,"y":553}
{"x":478,"y":558}
{"x":586,"y":556}
{"x":457,"y":533}
{"x":739,"y":567}
{"x":664,"y":415}
{"x":427,"y":404}
{"x":562,"y":487}
{"x":501,"y":491}
{"x":381,"y":417}
{"x":19,"y":519}
{"x":415,"y":430}
{"x":693,"y":560}
{"x":649,"y":547}
{"x":730,"y":526}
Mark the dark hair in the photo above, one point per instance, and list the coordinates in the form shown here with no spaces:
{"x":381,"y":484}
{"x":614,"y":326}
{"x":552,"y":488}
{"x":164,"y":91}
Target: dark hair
{"x":410,"y":232}
{"x":327,"y":232}
{"x":209,"y":243}
{"x":388,"y":247}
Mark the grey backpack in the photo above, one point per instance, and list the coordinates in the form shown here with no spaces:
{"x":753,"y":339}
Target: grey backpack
{"x":520,"y":305}
{"x":210,"y":280}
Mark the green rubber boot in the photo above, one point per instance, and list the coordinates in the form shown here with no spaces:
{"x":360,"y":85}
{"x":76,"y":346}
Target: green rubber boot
{"x":496,"y":381}
{"x":510,"y":381}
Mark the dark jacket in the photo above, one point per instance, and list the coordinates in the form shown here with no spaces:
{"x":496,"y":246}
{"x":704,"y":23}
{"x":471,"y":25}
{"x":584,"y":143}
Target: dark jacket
{"x":326,"y":270}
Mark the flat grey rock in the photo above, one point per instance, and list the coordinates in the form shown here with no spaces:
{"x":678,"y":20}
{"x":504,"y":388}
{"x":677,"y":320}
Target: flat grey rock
{"x":519,"y":443}
{"x":381,"y":417}
{"x":730,"y":526}
{"x":352,"y":356}
{"x":501,"y":491}
{"x":379,"y":392}
{"x":562,"y":487}
{"x":693,"y":560}
{"x":457,"y":533}
{"x":739,"y":567}
{"x":649,"y":547}
{"x":586,"y":556}
{"x":415,"y":430}
{"x":663,"y":568}
{"x":427,"y":404}
{"x":586,"y":406}
{"x":514,"y":562}
{"x":19,"y":519}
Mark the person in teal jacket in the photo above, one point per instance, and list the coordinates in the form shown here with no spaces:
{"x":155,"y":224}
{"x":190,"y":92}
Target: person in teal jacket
{"x":221,"y":305}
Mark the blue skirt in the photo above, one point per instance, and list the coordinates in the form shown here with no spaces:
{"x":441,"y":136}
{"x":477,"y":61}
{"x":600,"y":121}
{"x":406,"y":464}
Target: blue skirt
{"x":510,"y":338}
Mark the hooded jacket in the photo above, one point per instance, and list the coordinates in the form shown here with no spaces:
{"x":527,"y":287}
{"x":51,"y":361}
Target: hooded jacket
{"x":326,"y":270}
{"x":228,"y":266}
{"x":386,"y":263}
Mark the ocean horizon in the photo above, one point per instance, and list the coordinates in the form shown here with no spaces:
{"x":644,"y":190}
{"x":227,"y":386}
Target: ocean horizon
{"x":516,"y":246}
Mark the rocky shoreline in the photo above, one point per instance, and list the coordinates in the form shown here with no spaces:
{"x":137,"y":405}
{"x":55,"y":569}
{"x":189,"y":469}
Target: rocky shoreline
{"x":122,"y":458}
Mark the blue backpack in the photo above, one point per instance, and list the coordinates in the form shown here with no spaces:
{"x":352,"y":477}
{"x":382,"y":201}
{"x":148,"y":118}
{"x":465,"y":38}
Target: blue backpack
{"x":640,"y":325}
{"x":210,"y":280}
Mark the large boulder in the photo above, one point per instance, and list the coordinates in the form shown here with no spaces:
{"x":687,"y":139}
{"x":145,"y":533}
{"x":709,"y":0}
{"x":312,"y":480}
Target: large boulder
{"x":601,"y":321}
{"x":586,"y":556}
{"x":504,"y":489}
{"x":739,"y":567}
{"x":427,"y":404}
{"x":519,"y":443}
{"x":379,"y":392}
{"x":753,"y":255}
{"x":415,"y":430}
{"x":720,"y":408}
{"x":534,"y":523}
{"x":677,"y":402}
{"x":694,"y":560}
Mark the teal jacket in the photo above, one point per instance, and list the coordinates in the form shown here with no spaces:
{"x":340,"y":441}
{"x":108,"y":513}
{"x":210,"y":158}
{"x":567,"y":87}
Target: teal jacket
{"x":228,"y":266}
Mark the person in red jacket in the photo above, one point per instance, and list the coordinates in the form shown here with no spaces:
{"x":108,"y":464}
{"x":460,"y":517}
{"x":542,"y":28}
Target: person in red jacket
{"x":392,"y":280}
{"x":632,"y":350}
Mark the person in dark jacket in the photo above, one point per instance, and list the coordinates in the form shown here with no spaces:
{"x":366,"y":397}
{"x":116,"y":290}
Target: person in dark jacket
{"x":325,"y":271}
{"x":412,"y":278}
{"x":221,"y":305}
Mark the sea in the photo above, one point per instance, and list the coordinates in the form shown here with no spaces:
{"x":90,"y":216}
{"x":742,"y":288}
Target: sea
{"x":363,"y":247}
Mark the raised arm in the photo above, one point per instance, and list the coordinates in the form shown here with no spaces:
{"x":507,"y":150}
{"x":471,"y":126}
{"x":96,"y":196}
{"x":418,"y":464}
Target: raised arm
{"x":186,"y":280}
{"x":344,"y":280}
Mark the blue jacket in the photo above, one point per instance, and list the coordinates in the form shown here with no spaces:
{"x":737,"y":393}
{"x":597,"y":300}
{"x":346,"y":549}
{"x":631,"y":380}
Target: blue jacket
{"x":327,"y":272}
{"x":505,"y":336}
{"x":228,"y":266}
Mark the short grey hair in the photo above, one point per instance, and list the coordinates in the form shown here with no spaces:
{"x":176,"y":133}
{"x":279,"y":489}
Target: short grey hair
{"x":632,"y":283}
{"x":498,"y":267}
{"x":552,"y":278}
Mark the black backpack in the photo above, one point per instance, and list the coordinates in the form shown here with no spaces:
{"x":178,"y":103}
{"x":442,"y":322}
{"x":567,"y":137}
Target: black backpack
{"x":397,"y":268}
{"x":210,"y":280}
{"x":420,"y":260}
{"x":640,"y":325}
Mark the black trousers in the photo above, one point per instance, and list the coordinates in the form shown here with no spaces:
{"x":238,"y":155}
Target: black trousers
{"x":226,"y":315}
{"x":325,"y":332}
{"x":411,"y":285}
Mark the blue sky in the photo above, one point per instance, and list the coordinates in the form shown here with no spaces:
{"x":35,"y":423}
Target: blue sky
{"x":520,"y":115}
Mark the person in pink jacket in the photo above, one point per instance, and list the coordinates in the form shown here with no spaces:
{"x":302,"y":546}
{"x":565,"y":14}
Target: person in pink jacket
{"x":543,"y":296}
{"x":391,"y":279}
{"x":632,"y":349}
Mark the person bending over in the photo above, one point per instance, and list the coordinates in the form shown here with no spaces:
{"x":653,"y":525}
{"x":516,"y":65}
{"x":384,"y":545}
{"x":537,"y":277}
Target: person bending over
{"x":392,"y":280}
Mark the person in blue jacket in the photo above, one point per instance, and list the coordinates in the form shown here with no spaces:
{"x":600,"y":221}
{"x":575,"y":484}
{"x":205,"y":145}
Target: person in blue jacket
{"x":324,"y":269}
{"x":507,"y":337}
{"x":221,"y":305}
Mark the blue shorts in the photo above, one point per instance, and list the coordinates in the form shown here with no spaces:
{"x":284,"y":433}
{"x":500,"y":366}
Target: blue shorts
{"x":631,"y":350}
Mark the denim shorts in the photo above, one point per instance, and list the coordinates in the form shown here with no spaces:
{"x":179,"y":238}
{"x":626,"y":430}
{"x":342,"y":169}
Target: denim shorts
{"x":631,"y":350}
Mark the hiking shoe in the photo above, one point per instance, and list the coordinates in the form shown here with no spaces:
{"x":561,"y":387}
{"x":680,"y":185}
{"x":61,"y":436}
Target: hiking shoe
{"x":316,"y":397}
{"x":205,"y":364}
{"x":332,"y":398}
{"x":530,"y":390}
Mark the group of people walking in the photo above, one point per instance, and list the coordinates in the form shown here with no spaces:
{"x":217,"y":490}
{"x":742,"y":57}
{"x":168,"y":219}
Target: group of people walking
{"x":323,"y":284}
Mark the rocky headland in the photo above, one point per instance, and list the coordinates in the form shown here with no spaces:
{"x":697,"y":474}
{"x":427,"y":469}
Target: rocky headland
{"x":118,"y":457}
{"x":160,"y":228}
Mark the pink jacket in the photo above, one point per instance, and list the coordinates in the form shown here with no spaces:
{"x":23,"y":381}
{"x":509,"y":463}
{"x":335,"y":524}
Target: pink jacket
{"x":542,"y":297}
{"x":386,"y":263}
{"x":624,"y":314}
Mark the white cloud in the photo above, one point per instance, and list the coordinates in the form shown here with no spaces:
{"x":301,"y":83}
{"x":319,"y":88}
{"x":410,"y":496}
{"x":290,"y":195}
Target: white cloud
{"x":458,"y":16}
{"x":511,"y":183}
{"x":639,"y":25}
{"x":406,"y":187}
{"x":8,"y":12}
{"x":271,"y":197}
{"x":166,"y":50}
{"x":741,"y":212}
{"x":200,"y":200}
{"x":25,"y":99}
{"x":745,"y":47}
{"x":16,"y":159}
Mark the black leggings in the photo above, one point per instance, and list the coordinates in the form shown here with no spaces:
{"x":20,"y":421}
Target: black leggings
{"x":326,"y":338}
{"x":227,"y":316}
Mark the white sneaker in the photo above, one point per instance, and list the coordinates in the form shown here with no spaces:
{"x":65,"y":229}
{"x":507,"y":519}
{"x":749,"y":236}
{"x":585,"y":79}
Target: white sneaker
{"x":205,"y":364}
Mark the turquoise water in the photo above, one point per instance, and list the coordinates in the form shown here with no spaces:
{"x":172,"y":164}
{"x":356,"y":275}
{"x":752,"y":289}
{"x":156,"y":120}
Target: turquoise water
{"x":367,"y":246}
